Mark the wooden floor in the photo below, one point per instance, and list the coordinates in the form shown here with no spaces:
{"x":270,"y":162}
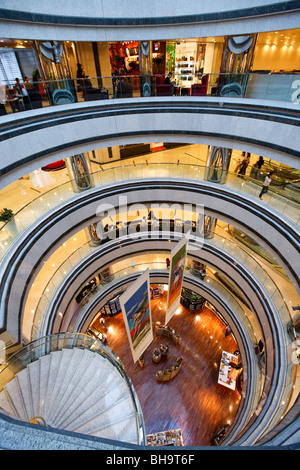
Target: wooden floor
{"x":192,"y":401}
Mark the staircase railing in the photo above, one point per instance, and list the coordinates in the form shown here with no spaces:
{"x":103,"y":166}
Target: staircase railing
{"x":47,"y":344}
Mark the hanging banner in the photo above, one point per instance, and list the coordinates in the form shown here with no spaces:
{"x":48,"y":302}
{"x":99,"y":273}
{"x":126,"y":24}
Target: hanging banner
{"x":178,"y":257}
{"x":136,"y":310}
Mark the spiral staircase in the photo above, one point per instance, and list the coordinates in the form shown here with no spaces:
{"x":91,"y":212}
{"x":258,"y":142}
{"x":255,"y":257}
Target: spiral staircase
{"x":76,"y":390}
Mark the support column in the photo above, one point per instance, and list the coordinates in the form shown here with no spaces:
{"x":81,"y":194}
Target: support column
{"x":217,"y":164}
{"x":79,"y":169}
{"x":237,"y":58}
{"x":208,"y":228}
{"x":145,"y":67}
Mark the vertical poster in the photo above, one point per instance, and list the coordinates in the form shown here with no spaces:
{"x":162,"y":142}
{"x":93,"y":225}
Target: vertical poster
{"x":178,"y":257}
{"x":136,"y":310}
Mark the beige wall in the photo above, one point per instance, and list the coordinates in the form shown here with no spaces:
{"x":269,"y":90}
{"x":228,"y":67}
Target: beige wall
{"x":271,"y":57}
{"x":85,"y":50}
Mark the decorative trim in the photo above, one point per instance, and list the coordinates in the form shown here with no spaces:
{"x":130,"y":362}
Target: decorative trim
{"x":257,"y":11}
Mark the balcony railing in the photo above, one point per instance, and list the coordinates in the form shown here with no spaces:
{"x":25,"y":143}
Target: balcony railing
{"x":284,"y":200}
{"x":220,"y":239}
{"x":263,"y":86}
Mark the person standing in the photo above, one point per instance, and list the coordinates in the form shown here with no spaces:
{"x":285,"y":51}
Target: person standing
{"x":19,"y":94}
{"x":259,"y":163}
{"x":266,"y":184}
{"x":115,"y":80}
{"x":167,"y":80}
{"x":257,"y":166}
{"x":80,"y":76}
{"x":240,"y":162}
{"x":244,"y":164}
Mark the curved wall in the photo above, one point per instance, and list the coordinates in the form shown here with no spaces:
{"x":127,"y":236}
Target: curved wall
{"x":25,"y":258}
{"x":274,"y":137}
{"x":114,"y":20}
{"x":114,"y":251}
{"x":275,"y":352}
{"x":37,"y":137}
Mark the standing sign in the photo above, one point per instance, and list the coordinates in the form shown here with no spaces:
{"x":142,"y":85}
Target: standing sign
{"x":178,"y":257}
{"x":136,"y":310}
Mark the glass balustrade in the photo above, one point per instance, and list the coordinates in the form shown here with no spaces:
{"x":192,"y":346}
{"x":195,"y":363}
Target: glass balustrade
{"x":262,"y":86}
{"x":245,"y":314}
{"x":227,"y":244}
{"x":286,"y":203}
{"x":248,"y":320}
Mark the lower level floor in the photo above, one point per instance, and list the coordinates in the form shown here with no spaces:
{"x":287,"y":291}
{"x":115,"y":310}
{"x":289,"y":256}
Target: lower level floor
{"x":193,"y":401}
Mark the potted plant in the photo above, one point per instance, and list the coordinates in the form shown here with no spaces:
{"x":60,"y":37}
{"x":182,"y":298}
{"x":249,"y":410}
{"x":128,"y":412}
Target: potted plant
{"x":7,"y":216}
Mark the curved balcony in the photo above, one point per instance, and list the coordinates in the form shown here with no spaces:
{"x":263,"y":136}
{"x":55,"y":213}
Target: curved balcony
{"x":33,"y":243}
{"x":285,"y":203}
{"x":273,"y":87}
{"x":81,"y":319}
{"x":220,"y":240}
{"x":112,"y":21}
{"x":259,"y":126}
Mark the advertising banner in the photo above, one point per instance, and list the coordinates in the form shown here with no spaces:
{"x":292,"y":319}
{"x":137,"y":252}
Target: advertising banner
{"x":136,"y":310}
{"x":177,"y":264}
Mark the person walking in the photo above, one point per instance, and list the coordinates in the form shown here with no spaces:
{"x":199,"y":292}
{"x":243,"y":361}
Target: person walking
{"x":266,"y":184}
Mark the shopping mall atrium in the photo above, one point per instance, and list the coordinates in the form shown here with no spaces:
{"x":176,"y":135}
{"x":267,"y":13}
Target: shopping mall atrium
{"x":149,"y":154}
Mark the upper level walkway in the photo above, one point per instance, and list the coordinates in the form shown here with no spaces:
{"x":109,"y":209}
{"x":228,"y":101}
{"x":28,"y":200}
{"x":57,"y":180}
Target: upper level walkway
{"x":112,"y":20}
{"x":32,"y":139}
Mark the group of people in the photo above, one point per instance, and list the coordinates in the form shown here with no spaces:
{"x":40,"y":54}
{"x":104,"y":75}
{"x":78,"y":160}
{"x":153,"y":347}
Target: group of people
{"x":242,"y":167}
{"x":17,"y":96}
{"x":243,"y":163}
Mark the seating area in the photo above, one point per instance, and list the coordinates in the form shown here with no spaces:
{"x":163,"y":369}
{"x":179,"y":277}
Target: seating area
{"x":162,"y":351}
{"x":91,"y":94}
{"x":169,"y":332}
{"x":163,"y":90}
{"x":168,"y":374}
{"x":200,"y":89}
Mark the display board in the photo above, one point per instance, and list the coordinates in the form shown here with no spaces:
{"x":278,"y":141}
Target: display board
{"x":136,"y":309}
{"x":177,"y":264}
{"x":227,"y":372}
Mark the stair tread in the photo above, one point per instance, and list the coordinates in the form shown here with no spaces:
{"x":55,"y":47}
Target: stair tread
{"x":107,"y":414}
{"x":60,"y":378}
{"x":79,"y":381}
{"x":13,"y":394}
{"x":123,"y":431}
{"x":76,"y":390}
{"x":34,"y":374}
{"x":100,"y":384}
{"x":23,"y":380}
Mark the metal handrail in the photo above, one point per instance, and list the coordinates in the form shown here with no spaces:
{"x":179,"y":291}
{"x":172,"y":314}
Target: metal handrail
{"x":286,"y":197}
